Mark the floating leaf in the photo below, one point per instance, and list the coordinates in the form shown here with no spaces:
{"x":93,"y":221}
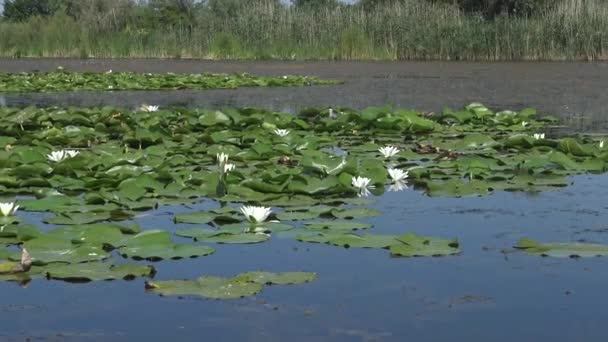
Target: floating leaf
{"x":157,"y":244}
{"x":286,"y":278}
{"x":48,"y":249}
{"x":412,"y":245}
{"x":210,"y":235}
{"x":206,"y":286}
{"x":562,"y":250}
{"x":338,"y":225}
{"x":196,"y":217}
{"x":354,"y":213}
{"x":94,"y":271}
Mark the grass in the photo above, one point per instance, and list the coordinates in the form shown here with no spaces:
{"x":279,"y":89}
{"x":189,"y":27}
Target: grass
{"x":409,"y":30}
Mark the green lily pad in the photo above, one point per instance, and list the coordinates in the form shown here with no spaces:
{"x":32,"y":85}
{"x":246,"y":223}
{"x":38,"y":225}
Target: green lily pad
{"x":286,"y":278}
{"x":48,"y":249}
{"x":352,"y":213}
{"x":157,"y":244}
{"x":414,"y":245}
{"x":562,"y":250}
{"x":95,"y":271}
{"x":338,"y":225}
{"x":206,"y":286}
{"x":210,"y":235}
{"x":349,"y":240}
{"x":78,"y":218}
{"x":195,"y":218}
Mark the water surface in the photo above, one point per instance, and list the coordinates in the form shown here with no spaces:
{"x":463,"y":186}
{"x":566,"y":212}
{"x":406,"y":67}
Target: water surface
{"x":487,"y":293}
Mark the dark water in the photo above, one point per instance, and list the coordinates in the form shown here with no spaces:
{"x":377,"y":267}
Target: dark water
{"x":488,"y":293}
{"x":574,"y":91}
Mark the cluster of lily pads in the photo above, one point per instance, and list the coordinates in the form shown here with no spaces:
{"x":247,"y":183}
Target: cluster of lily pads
{"x":95,"y":169}
{"x":61,"y":80}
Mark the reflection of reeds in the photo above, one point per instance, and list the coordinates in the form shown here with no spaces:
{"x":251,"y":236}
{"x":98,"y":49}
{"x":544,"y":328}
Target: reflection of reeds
{"x":411,"y":29}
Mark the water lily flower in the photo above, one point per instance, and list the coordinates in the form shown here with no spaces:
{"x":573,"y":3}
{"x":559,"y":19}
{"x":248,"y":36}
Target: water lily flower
{"x":602,"y":144}
{"x":388,"y":151}
{"x":524,"y":123}
{"x":228,"y":167}
{"x":281,"y":132}
{"x":332,"y":114}
{"x":57,"y":156}
{"x":71,"y":153}
{"x":397,"y":186}
{"x":149,"y":109}
{"x":362,"y":185}
{"x":8,"y":209}
{"x":256,"y":214}
{"x":222,"y":158}
{"x":398,"y":175}
{"x":538,"y":136}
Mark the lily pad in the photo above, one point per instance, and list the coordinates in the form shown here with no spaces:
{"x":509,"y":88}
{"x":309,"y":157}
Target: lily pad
{"x":414,"y":245}
{"x":206,"y":286}
{"x":210,"y":235}
{"x":48,"y":249}
{"x":94,"y":271}
{"x":338,"y":225}
{"x":157,"y":244}
{"x":195,"y":217}
{"x":352,"y":213}
{"x":562,"y":250}
{"x":286,"y":278}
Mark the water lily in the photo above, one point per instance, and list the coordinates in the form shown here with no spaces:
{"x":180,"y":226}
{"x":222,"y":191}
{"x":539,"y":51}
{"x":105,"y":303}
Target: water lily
{"x":362,"y":185}
{"x":8,"y":209}
{"x":71,"y":153}
{"x":222,"y":158}
{"x":398,"y":186}
{"x":228,"y":167}
{"x":388,"y":151}
{"x":602,"y":144}
{"x":524,"y":123}
{"x":149,"y":109}
{"x":281,"y":132}
{"x":398,"y":175}
{"x":57,"y":156}
{"x":538,"y":136}
{"x":332,"y":114}
{"x":256,"y":214}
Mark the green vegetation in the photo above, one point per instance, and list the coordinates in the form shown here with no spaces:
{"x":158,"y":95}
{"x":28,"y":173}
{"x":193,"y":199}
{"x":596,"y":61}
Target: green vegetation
{"x":67,"y":81}
{"x":313,"y":29}
{"x":241,"y":285}
{"x":562,"y":250}
{"x":95,"y":169}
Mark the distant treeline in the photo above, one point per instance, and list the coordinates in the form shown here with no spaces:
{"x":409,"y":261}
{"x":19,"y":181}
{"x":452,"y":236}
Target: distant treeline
{"x":307,"y":29}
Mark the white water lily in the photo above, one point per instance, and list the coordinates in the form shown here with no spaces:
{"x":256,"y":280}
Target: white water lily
{"x":71,"y":153}
{"x":398,"y":186}
{"x":538,"y":136}
{"x":8,"y":209}
{"x":149,"y":109}
{"x":222,"y":158}
{"x":388,"y":151}
{"x":362,"y":185}
{"x":332,"y":114}
{"x":57,"y":156}
{"x":228,"y":167}
{"x":281,"y":132}
{"x":398,"y":175}
{"x":601,"y":144}
{"x":256,"y":214}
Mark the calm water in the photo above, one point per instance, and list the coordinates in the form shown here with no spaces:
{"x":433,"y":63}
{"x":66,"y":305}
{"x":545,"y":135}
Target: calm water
{"x":573,"y":91}
{"x":488,"y":293}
